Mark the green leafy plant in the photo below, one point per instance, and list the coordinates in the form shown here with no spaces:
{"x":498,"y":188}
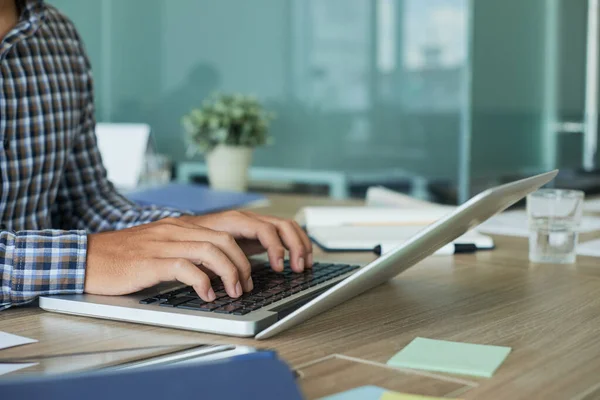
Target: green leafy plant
{"x":230,"y":119}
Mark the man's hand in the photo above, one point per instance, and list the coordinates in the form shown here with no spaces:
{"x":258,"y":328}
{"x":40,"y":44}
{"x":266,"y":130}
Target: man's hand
{"x":191,"y":250}
{"x":258,"y":233}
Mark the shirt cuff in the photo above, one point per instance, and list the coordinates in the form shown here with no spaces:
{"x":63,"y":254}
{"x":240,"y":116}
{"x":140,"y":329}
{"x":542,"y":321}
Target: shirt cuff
{"x":48,"y":262}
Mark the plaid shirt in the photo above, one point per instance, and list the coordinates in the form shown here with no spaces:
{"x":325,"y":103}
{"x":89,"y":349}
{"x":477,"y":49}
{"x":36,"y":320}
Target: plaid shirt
{"x":54,"y":189}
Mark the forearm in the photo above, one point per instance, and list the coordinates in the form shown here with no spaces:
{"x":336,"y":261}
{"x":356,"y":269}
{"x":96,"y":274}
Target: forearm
{"x":35,"y":263}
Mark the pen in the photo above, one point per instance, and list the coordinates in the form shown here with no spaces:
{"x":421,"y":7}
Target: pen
{"x":449,"y":249}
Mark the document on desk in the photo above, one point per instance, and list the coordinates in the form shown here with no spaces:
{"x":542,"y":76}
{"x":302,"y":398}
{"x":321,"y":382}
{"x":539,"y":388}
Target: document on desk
{"x":376,"y":393}
{"x":590,"y":249}
{"x":364,"y":228}
{"x":451,"y":357}
{"x":8,"y":368}
{"x":9,"y":340}
{"x":515,"y":223}
{"x":592,"y":205}
{"x":366,"y":238}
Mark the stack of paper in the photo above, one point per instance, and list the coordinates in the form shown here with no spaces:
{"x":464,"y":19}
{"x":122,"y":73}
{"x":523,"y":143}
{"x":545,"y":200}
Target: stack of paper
{"x":388,"y":220}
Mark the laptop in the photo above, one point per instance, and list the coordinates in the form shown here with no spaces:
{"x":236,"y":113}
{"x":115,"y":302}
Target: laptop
{"x":280,"y":301}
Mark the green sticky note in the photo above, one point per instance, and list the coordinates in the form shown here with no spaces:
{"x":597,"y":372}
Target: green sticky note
{"x":451,"y":357}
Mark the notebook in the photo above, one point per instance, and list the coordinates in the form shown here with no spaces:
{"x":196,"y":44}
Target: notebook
{"x":197,"y":199}
{"x":254,"y":375}
{"x":388,"y":219}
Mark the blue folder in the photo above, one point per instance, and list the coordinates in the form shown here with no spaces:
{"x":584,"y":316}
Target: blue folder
{"x":249,"y":376}
{"x":198,"y":199}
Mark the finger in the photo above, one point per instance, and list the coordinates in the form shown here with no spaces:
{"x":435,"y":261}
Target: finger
{"x":268,"y":236}
{"x":293,"y":230}
{"x":291,"y":240}
{"x":244,"y":227}
{"x":186,"y":232}
{"x":184,"y":271}
{"x":307,"y":243}
{"x":211,"y":257}
{"x":230,"y":247}
{"x":301,"y":233}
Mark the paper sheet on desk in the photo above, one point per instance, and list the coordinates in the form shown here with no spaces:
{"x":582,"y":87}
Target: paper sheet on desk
{"x":8,"y":368}
{"x":369,"y":216}
{"x":388,"y":218}
{"x":9,"y":340}
{"x":378,"y":196}
{"x":515,"y":223}
{"x":591,"y":248}
{"x":375,"y":393}
{"x":367,"y":237}
{"x":592,"y":205}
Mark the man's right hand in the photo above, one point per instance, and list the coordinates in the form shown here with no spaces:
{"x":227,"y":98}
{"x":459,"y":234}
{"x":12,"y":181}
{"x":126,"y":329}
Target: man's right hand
{"x":129,"y":260}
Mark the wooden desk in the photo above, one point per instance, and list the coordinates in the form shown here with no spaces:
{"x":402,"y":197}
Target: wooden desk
{"x":548,"y":314}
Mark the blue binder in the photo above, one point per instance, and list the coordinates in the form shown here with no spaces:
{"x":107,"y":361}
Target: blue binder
{"x":198,"y":199}
{"x":250,"y":376}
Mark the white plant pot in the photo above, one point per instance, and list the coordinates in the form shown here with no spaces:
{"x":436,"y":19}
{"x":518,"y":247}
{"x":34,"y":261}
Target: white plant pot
{"x":228,"y":167}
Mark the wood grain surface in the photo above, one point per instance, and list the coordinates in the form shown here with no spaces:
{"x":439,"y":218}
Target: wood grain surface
{"x":548,"y":314}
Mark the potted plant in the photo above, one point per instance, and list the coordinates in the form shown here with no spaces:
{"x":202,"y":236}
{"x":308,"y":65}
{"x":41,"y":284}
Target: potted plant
{"x":226,"y":128}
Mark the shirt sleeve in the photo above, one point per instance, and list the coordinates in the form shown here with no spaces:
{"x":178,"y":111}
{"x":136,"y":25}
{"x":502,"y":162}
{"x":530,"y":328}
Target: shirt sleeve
{"x":86,"y":200}
{"x":35,"y":263}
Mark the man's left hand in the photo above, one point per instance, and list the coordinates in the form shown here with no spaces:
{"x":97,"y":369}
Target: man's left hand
{"x":256,"y":234}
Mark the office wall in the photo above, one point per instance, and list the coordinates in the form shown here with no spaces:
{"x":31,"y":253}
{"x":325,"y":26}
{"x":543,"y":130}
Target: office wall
{"x":571,"y":80}
{"x":358,"y":86}
{"x":366,"y":87}
{"x":508,"y":86}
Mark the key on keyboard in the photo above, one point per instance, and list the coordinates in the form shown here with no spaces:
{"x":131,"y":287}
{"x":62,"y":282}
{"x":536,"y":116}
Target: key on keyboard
{"x":269,"y":287}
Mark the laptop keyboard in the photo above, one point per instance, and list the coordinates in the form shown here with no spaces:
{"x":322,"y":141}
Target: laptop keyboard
{"x":269,"y":287}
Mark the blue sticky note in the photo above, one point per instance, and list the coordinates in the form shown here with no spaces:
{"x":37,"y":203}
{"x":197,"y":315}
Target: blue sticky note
{"x":359,"y":393}
{"x":451,"y":357}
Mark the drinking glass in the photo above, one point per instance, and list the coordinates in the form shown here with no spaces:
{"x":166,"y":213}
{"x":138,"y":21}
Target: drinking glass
{"x":554,"y":217}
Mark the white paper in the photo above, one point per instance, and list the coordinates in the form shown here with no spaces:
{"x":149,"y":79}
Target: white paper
{"x":591,"y":248}
{"x":378,"y":196}
{"x":9,"y":340}
{"x":592,"y":205}
{"x":515,"y":223}
{"x":370,"y":216}
{"x":367,"y":237}
{"x":123,"y":148}
{"x":8,"y":368}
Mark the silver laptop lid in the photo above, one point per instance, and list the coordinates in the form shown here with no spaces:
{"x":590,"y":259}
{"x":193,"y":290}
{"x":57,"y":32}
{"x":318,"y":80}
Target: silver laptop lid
{"x":426,"y":242}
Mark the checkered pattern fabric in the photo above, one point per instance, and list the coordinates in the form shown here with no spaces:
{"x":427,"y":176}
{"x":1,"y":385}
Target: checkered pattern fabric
{"x":54,"y":189}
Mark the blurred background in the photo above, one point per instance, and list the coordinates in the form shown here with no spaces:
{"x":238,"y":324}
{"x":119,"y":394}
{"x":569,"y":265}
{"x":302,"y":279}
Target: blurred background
{"x":436,"y":98}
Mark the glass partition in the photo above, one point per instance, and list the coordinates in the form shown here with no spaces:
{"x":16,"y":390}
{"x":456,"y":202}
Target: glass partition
{"x":442,"y":96}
